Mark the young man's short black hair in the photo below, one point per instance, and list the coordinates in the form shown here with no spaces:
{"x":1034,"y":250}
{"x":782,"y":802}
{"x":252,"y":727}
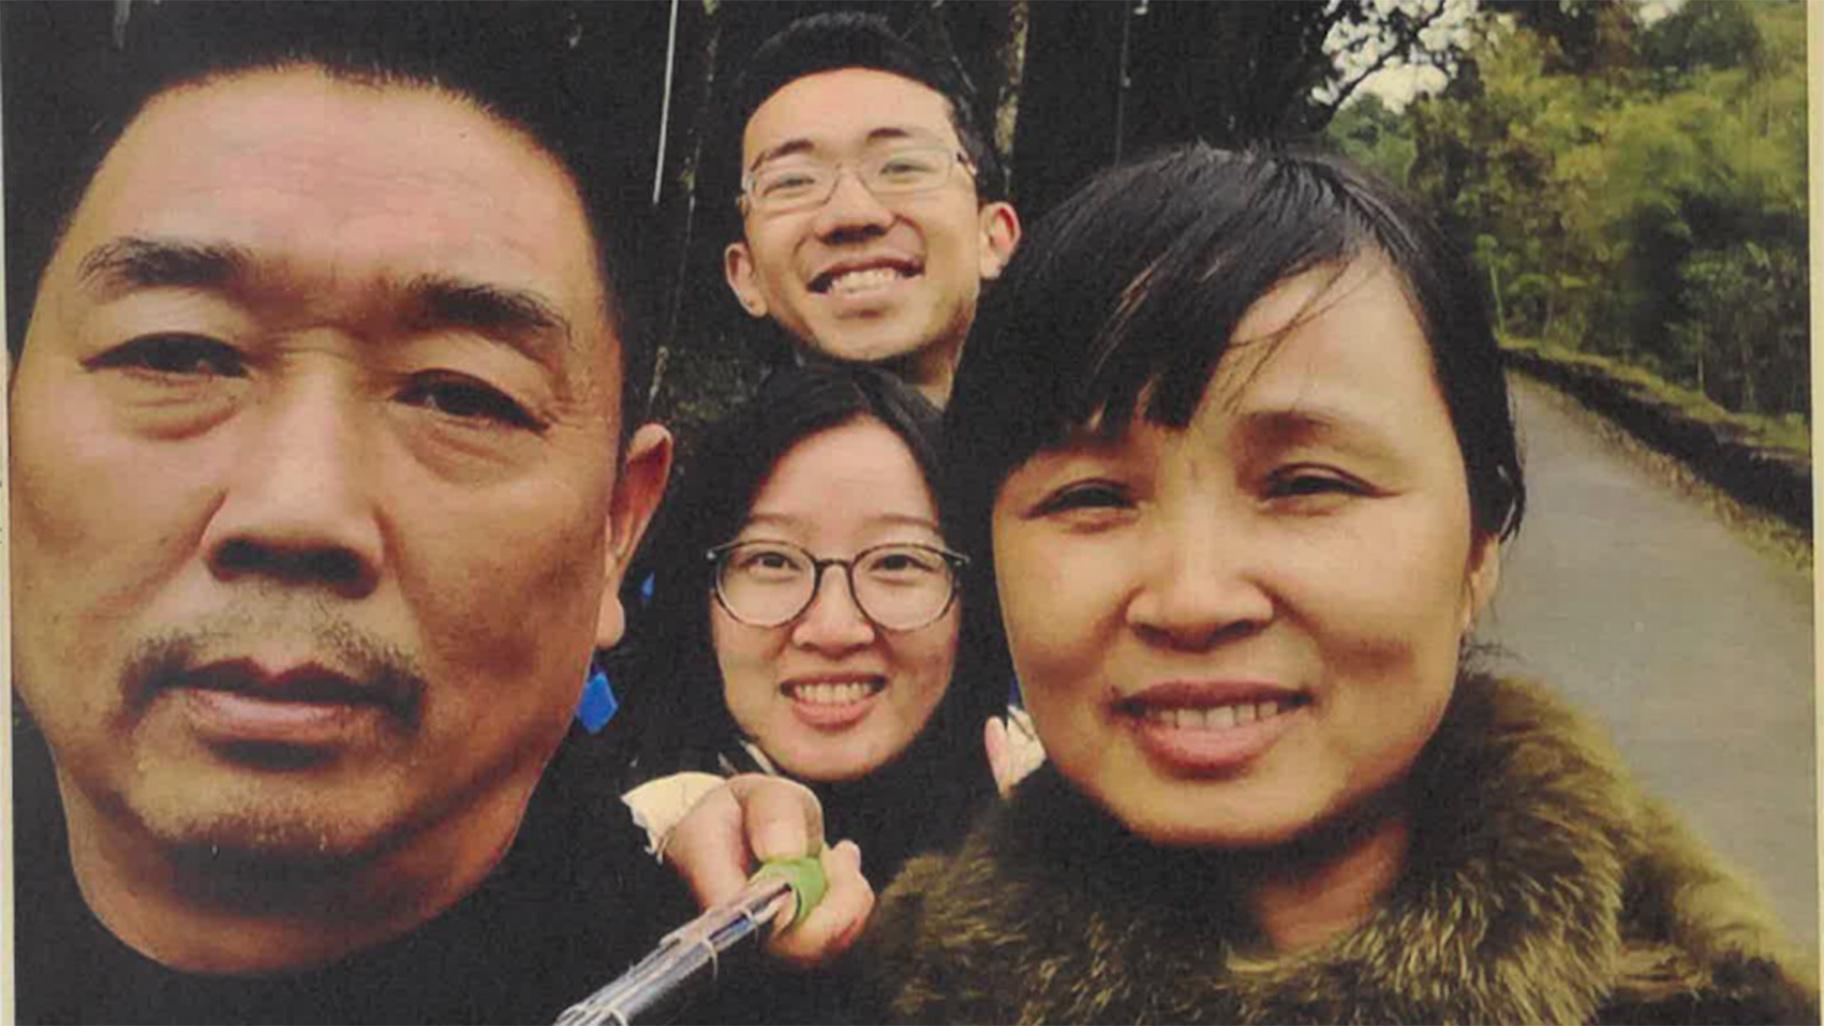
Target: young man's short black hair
{"x":525,"y":66}
{"x":850,"y":39}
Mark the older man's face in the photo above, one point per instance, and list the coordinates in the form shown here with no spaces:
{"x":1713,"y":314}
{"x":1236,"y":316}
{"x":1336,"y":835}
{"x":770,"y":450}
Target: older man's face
{"x":312,"y":461}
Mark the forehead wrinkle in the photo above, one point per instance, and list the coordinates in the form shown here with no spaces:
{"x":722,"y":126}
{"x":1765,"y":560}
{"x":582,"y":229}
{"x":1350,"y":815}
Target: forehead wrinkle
{"x":387,"y":86}
{"x":1296,"y":421}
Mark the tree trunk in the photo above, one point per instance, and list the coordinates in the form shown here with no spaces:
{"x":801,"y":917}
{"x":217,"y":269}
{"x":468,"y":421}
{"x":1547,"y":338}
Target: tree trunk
{"x":1012,"y":63}
{"x":1494,"y":288}
{"x":698,"y":95}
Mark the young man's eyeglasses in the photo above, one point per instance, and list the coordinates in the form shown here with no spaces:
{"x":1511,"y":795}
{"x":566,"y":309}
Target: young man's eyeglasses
{"x":800,"y":183}
{"x":899,"y":587}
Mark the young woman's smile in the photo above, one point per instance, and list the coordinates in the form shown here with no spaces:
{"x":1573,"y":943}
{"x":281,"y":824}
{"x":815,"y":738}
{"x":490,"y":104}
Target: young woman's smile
{"x":830,"y":694}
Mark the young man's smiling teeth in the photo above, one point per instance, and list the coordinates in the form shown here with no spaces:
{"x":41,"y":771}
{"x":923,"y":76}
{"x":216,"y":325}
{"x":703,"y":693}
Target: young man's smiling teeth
{"x":861,"y":279}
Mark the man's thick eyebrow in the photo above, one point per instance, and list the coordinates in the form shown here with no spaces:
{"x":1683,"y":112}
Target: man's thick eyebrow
{"x":885,"y":133}
{"x":520,"y":318}
{"x":133,"y":262}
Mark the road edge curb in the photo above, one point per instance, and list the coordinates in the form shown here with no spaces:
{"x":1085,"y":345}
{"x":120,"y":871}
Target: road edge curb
{"x":1771,"y":478}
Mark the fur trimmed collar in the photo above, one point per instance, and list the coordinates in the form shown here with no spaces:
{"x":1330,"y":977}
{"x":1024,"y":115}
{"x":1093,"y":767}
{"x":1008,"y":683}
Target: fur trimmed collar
{"x":1540,"y":887}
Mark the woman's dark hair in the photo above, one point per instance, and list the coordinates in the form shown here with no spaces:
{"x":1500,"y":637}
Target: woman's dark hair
{"x":675,"y":698}
{"x":1121,"y":302}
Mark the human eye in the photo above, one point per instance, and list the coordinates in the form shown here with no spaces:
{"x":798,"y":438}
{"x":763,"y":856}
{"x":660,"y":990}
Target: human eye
{"x":903,"y":563}
{"x":765,"y":562}
{"x":920,"y":161}
{"x":467,"y":399}
{"x":912,"y":166}
{"x":174,"y":356}
{"x":789,"y":181}
{"x":1310,"y":486}
{"x":1085,"y":505}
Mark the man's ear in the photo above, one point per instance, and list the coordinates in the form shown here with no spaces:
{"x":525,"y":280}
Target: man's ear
{"x":1000,"y":237}
{"x":637,"y":490}
{"x":1484,"y":575}
{"x":738,"y":269}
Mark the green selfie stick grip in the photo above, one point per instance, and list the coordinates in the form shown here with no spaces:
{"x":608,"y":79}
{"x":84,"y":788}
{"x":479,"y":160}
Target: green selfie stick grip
{"x":805,"y":877}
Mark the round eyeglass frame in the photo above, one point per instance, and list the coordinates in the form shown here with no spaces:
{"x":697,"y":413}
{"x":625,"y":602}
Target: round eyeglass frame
{"x":956,"y":561}
{"x":746,"y":200}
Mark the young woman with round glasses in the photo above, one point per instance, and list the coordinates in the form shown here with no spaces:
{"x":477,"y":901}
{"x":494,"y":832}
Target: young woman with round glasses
{"x":805,"y":620}
{"x":1231,"y":450}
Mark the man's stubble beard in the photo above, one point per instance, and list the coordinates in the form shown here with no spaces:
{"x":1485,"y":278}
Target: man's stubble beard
{"x":254,"y":818}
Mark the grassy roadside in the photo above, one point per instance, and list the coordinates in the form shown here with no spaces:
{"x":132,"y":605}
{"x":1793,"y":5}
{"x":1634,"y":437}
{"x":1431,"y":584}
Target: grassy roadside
{"x":1790,"y":432}
{"x":1761,"y":463}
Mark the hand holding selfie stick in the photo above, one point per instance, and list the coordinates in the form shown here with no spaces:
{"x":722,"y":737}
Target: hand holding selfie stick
{"x":792,"y":886}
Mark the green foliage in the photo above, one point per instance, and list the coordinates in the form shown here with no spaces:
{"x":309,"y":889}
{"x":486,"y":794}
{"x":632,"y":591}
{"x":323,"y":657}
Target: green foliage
{"x":1747,"y":329}
{"x":1709,"y":35}
{"x":1375,"y":136}
{"x":1642,"y":195}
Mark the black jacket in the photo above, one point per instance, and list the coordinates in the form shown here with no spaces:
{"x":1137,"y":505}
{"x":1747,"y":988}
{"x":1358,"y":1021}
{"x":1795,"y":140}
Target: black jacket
{"x":570,"y":907}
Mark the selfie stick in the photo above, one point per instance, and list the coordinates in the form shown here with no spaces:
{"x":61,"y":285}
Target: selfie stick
{"x":785,"y":885}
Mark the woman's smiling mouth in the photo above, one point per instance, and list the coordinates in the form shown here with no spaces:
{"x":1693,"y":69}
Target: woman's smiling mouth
{"x":833,"y":703}
{"x":1197,"y":729}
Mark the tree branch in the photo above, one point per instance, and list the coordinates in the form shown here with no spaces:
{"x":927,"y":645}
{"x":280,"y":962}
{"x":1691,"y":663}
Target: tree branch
{"x":1403,"y":45}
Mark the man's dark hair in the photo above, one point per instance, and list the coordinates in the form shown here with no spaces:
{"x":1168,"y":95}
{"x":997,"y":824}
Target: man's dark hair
{"x":850,"y":39}
{"x":1123,"y":299}
{"x":524,"y":66}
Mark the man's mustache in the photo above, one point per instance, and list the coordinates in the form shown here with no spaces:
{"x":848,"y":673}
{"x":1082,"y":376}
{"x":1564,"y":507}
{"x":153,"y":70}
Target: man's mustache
{"x":216,"y":652}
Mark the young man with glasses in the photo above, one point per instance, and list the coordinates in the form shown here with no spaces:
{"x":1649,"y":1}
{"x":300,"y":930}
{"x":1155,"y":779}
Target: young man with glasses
{"x":869,"y":199}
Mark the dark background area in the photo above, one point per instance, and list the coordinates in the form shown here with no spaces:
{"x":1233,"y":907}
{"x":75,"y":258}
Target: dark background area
{"x":1632,"y":187}
{"x":1063,"y":88}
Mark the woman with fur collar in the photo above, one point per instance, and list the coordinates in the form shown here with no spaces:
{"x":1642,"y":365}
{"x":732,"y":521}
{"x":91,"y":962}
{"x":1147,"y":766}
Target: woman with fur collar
{"x":1234,"y":530}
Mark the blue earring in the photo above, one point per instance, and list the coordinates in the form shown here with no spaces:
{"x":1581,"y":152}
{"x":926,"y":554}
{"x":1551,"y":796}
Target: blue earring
{"x":597,"y":705}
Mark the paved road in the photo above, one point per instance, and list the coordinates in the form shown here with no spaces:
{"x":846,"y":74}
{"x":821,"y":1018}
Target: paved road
{"x":1694,"y":648}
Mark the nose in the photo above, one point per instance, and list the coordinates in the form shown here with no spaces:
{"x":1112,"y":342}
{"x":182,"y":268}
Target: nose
{"x":1201,"y":583}
{"x":852,"y":211}
{"x":297,"y":509}
{"x":833,"y":623}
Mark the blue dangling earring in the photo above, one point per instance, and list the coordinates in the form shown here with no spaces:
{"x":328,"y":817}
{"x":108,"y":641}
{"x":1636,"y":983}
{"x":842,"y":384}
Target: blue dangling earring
{"x":597,"y":704}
